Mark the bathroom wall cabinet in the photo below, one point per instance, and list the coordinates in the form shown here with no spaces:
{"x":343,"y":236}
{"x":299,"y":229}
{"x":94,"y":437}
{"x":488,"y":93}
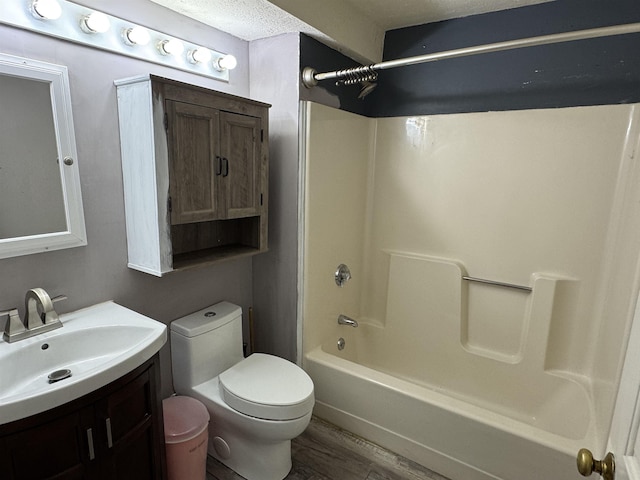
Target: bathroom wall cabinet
{"x":195,"y":174}
{"x":114,"y":433}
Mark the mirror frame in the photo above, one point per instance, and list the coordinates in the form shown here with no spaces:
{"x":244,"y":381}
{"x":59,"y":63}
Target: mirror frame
{"x":75,"y":235}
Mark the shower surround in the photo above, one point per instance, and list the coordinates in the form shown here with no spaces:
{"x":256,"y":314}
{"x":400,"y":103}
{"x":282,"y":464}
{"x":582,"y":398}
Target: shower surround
{"x":474,"y":380}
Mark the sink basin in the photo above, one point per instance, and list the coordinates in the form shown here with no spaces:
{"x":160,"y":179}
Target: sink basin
{"x":98,"y":345}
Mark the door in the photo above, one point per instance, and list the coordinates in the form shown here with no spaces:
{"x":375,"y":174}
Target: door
{"x":241,"y":172}
{"x":624,"y":440}
{"x":195,"y":166}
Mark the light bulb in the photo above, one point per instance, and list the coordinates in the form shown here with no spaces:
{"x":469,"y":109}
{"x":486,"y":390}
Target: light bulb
{"x":95,"y":22}
{"x":227,"y":62}
{"x":136,"y":36}
{"x":172,"y":46}
{"x":199,"y":55}
{"x":46,"y":9}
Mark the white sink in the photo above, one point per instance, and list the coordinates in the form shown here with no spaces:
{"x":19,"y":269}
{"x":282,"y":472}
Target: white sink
{"x":98,"y":344}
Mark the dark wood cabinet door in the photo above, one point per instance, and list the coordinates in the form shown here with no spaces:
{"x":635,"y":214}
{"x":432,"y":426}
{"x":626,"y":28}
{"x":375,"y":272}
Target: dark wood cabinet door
{"x":126,"y":420}
{"x":55,"y":450}
{"x":241,"y":172}
{"x":195,"y":165}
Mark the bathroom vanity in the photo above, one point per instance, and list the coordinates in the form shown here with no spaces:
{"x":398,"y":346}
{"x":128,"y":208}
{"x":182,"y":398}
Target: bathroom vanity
{"x":195,"y":174}
{"x":112,"y":433}
{"x":81,"y":401}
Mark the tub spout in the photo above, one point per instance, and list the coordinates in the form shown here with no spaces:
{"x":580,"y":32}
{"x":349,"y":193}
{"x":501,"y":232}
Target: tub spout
{"x":344,"y":320}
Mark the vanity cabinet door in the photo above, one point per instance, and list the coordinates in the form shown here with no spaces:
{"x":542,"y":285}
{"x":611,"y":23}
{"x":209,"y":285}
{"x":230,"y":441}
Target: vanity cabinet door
{"x":58,"y":450}
{"x":129,"y":432}
{"x":195,"y":166}
{"x":241,"y":165}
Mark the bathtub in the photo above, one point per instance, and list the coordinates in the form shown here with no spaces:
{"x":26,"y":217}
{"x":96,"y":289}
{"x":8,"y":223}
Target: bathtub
{"x":480,"y":303}
{"x":484,"y":436}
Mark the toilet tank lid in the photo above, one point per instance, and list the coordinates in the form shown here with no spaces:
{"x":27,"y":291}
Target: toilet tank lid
{"x":205,"y":320}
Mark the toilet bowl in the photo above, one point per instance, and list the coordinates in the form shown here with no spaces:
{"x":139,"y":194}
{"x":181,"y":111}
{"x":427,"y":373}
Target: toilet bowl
{"x":257,"y":404}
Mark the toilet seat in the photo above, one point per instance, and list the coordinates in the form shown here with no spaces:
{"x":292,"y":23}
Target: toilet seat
{"x":267,"y":387}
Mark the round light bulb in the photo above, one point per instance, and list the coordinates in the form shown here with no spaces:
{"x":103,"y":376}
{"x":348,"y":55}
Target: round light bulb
{"x":137,"y":36}
{"x":46,"y":9}
{"x":200,"y":55}
{"x":172,"y":46}
{"x":95,"y":22}
{"x":228,"y":62}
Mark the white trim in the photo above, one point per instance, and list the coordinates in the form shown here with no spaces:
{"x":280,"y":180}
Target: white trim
{"x":303,"y":121}
{"x":625,"y":424}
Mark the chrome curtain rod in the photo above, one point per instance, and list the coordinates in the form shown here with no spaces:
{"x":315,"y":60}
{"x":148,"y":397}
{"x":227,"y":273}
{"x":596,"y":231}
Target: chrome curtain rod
{"x":310,"y":77}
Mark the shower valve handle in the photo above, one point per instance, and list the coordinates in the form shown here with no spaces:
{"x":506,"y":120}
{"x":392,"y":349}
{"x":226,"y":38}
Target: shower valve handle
{"x":342,"y":275}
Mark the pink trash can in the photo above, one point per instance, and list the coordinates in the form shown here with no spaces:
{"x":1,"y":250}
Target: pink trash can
{"x":186,"y":422}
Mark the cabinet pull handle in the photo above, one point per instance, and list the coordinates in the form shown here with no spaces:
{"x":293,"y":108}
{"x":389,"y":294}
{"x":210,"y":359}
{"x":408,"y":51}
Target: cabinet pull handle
{"x":218,"y":165}
{"x":226,"y":166}
{"x":92,"y":453}
{"x":109,"y":436}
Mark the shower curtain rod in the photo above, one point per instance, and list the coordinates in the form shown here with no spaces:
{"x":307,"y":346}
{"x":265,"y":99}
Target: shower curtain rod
{"x":310,"y":77}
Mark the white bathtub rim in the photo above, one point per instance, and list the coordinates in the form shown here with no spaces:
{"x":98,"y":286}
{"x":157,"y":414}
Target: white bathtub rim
{"x":466,"y":410}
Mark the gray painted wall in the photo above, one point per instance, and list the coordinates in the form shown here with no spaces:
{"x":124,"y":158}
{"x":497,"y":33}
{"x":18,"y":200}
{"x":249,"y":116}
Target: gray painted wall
{"x":274,"y":76}
{"x":98,"y":272}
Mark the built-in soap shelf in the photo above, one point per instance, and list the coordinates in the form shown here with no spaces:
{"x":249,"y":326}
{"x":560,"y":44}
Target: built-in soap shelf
{"x":505,"y":322}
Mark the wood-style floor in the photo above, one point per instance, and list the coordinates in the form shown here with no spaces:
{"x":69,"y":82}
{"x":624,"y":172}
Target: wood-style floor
{"x":323,"y":452}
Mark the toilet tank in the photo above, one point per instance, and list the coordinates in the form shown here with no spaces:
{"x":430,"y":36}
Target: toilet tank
{"x":204,"y":344}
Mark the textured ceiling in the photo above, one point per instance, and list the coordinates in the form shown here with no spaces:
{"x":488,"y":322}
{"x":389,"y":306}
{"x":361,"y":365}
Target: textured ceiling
{"x":245,"y":19}
{"x":342,"y":21}
{"x":390,"y":14}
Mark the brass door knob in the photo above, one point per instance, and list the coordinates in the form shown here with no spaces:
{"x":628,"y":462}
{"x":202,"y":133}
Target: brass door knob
{"x":587,"y":465}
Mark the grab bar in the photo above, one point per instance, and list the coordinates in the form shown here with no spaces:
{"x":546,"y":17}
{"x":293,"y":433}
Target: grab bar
{"x":498,"y":284}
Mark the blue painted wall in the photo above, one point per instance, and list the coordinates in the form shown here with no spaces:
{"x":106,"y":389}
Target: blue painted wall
{"x":586,"y":72}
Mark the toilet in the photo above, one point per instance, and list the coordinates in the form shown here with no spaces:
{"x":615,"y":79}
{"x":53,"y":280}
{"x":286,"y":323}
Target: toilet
{"x":257,"y":404}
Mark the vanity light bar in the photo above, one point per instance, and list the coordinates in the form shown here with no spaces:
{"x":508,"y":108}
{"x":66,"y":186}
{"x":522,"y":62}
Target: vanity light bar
{"x":79,"y":24}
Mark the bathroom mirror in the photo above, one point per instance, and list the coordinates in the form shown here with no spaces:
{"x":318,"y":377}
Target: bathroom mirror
{"x":40,"y":198}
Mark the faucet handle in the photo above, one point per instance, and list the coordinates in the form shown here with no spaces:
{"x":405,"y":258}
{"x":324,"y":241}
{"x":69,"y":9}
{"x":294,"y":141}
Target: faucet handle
{"x":14,"y":323}
{"x":59,"y":298}
{"x":52,"y":315}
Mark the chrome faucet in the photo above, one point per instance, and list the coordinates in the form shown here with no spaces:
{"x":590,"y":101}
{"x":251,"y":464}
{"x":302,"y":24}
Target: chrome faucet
{"x":40,"y":316}
{"x":344,"y":320}
{"x":38,"y":309}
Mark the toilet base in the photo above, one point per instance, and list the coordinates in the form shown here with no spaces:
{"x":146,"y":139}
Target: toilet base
{"x":255,"y":448}
{"x":252,"y":461}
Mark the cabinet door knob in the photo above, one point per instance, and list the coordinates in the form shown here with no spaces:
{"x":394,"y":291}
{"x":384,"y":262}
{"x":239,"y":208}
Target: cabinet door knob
{"x":226,"y":166}
{"x":218,"y":165}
